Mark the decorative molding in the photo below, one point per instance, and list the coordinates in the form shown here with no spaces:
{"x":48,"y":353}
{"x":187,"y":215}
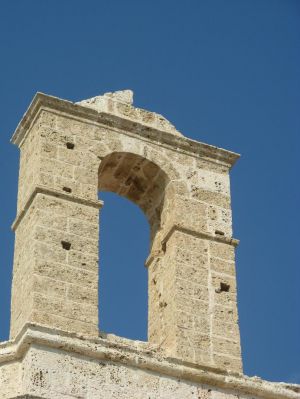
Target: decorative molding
{"x":57,"y":194}
{"x":141,"y":355}
{"x":205,"y":236}
{"x":43,"y":101}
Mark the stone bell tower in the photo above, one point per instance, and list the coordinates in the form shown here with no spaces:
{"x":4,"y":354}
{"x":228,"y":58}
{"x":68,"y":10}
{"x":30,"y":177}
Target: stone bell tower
{"x":70,"y":152}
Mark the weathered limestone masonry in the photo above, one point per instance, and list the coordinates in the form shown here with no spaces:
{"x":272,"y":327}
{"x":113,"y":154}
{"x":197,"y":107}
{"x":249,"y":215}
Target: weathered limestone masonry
{"x":70,"y":152}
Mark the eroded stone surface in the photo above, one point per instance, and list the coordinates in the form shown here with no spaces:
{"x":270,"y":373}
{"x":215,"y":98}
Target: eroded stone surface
{"x":121,"y":103}
{"x":183,"y":188}
{"x":69,"y":152}
{"x":44,"y":363}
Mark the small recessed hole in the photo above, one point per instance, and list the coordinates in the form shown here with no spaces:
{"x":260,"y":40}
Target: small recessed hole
{"x":70,"y":146}
{"x":66,"y":245}
{"x":224,"y":287}
{"x":163,"y":304}
{"x":67,"y":189}
{"x":219,"y":232}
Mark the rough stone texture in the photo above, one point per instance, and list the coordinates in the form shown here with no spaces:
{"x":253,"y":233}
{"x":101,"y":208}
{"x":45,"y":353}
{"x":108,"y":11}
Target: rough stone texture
{"x":120,"y":103}
{"x":48,"y":364}
{"x":68,"y":153}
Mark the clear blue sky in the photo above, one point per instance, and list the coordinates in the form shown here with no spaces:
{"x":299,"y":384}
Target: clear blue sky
{"x":224,"y":72}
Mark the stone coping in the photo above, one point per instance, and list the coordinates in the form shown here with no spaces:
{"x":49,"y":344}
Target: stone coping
{"x":141,"y":355}
{"x":135,"y":127}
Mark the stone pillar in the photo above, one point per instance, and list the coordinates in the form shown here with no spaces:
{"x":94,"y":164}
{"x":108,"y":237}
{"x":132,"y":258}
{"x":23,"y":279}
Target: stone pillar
{"x":192,"y":285}
{"x":55,"y":277}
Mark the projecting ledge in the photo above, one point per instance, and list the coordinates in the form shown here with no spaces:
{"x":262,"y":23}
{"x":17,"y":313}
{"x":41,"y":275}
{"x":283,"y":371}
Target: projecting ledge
{"x":139,"y":355}
{"x":57,"y":194}
{"x":158,"y":133}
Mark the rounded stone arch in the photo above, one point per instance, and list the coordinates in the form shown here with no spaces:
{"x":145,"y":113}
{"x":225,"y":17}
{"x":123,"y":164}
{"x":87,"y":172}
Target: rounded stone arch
{"x":107,"y":146}
{"x":138,"y":179}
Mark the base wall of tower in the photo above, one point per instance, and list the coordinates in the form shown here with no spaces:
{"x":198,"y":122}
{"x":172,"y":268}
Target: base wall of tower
{"x":51,"y":364}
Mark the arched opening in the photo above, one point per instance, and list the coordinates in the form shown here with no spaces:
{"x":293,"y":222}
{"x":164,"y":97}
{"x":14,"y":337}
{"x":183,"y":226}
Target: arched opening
{"x":125,"y":241}
{"x":124,"y":245}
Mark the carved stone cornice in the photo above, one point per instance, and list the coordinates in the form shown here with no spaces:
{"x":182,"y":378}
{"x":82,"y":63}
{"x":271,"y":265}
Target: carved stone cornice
{"x":135,"y":125}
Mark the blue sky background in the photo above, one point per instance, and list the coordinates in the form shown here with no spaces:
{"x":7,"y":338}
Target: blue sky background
{"x":224,"y":72}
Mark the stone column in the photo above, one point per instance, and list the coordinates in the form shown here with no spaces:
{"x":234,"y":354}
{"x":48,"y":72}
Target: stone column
{"x":192,"y":285}
{"x":55,"y":276}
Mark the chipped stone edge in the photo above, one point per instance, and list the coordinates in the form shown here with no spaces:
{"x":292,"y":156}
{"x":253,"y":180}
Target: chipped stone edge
{"x":44,"y":101}
{"x":140,"y":355}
